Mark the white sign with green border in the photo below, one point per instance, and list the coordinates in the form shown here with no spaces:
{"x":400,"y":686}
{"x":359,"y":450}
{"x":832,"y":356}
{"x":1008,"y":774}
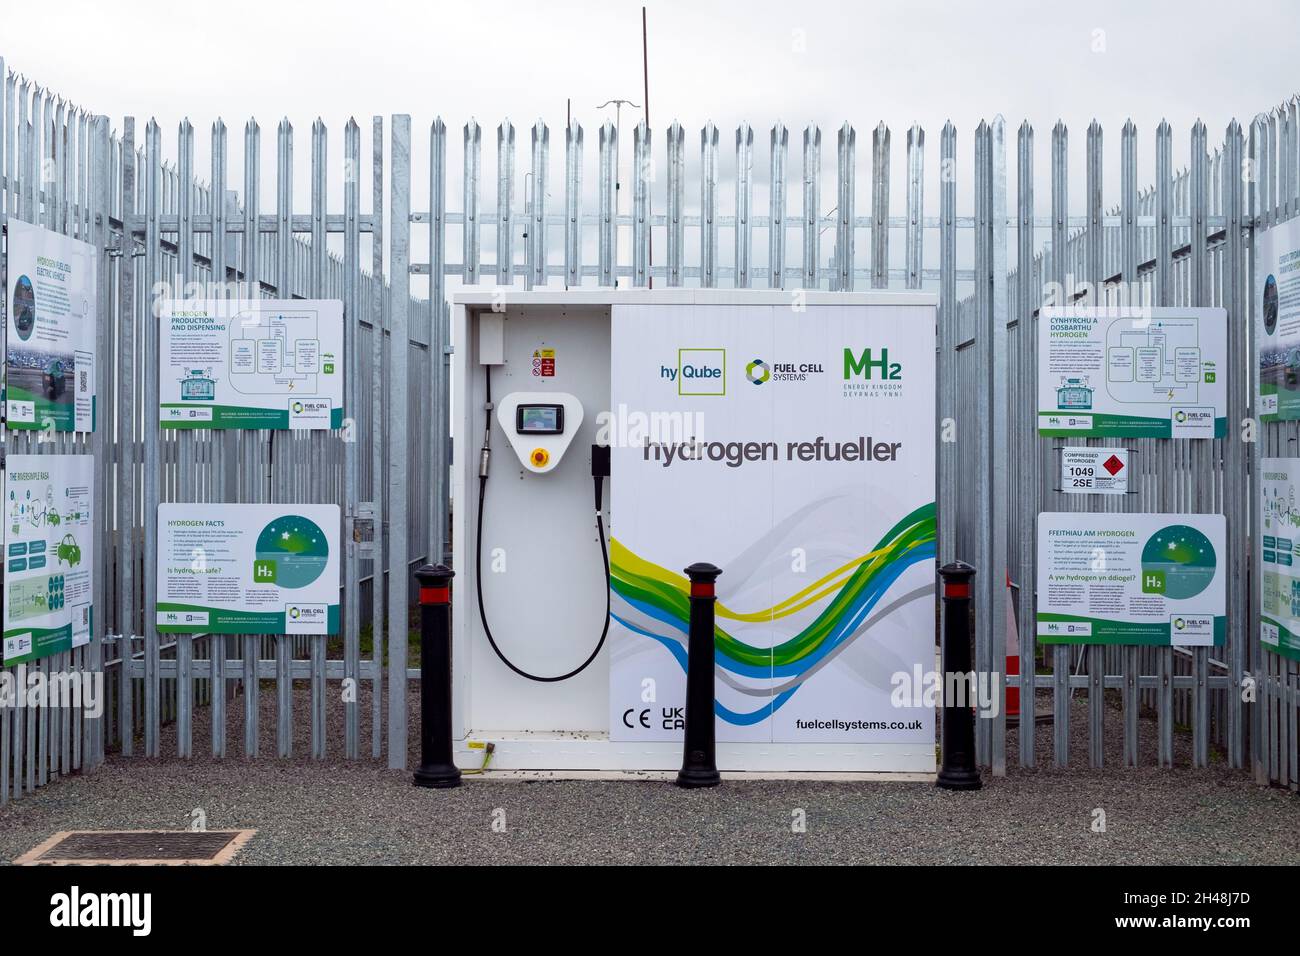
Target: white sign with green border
{"x":1132,"y":373}
{"x":1279,"y":543}
{"x":1154,"y":579}
{"x":1277,"y":323}
{"x":265,"y":363}
{"x":248,"y":568}
{"x":49,"y":554}
{"x":50,"y":324}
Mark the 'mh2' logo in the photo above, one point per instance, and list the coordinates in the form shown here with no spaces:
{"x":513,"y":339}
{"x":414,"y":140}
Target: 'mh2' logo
{"x":866,"y":363}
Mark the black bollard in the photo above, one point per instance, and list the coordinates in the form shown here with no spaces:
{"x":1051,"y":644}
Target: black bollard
{"x":437,"y":769}
{"x":699,"y":753}
{"x":958,"y":771}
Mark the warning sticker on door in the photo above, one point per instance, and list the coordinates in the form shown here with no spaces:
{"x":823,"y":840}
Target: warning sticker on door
{"x":544,"y":363}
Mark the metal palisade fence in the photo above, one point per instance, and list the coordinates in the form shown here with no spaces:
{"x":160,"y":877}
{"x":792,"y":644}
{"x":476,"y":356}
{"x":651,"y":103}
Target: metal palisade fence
{"x":158,"y":223}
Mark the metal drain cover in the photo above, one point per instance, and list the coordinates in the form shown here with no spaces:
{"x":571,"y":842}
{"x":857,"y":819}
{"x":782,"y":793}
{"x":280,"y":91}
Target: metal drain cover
{"x":194,"y":847}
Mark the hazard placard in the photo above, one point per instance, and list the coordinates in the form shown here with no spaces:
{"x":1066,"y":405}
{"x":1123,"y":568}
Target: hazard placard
{"x":1094,"y":471}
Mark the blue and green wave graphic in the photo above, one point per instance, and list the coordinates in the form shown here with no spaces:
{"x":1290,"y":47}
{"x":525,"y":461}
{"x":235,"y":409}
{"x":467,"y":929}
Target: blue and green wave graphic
{"x":850,"y":593}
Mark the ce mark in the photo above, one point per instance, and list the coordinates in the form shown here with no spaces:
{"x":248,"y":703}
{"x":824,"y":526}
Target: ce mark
{"x":643,"y":718}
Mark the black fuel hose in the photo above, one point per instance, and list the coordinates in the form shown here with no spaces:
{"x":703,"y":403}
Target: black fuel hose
{"x":599,"y":469}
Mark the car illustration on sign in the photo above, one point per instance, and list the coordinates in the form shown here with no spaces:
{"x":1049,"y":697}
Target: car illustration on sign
{"x":69,"y":552}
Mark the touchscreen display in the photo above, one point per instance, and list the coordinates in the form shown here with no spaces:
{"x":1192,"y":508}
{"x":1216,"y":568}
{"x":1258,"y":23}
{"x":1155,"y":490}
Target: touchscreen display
{"x":539,"y":419}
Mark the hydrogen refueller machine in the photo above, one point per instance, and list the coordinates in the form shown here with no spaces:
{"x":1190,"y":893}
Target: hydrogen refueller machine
{"x":604,"y":440}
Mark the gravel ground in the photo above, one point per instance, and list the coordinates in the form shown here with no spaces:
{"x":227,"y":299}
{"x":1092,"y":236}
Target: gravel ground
{"x":336,"y":812}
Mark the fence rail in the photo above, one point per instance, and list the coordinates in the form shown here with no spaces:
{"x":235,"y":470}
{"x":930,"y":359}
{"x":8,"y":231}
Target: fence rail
{"x":159,"y":224}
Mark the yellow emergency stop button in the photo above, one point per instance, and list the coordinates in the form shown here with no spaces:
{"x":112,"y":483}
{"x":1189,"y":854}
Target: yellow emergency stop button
{"x":540,"y":457}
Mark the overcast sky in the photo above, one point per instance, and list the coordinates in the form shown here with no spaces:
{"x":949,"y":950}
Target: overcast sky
{"x":797,"y":61}
{"x":760,"y":61}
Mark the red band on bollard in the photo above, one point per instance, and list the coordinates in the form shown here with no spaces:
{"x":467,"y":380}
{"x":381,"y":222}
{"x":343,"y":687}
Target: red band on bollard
{"x":435,"y":595}
{"x":956,"y":590}
{"x":701,"y":590}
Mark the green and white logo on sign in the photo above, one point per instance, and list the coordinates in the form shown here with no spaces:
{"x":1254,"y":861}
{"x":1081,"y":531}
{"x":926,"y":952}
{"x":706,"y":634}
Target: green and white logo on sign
{"x":291,"y":552}
{"x":758,"y":372}
{"x":1178,"y":561}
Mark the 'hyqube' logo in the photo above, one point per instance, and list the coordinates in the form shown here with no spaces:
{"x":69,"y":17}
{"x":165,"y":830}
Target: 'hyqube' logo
{"x":701,"y":371}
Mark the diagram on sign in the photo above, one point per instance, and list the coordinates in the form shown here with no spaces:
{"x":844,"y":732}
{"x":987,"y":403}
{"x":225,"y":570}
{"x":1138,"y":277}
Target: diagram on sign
{"x":1280,"y":510}
{"x":274,"y":354}
{"x":36,"y":511}
{"x":1158,"y":363}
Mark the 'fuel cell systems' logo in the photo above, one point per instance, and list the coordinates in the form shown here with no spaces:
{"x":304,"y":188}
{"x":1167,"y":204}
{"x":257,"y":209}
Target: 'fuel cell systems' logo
{"x":758,"y":371}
